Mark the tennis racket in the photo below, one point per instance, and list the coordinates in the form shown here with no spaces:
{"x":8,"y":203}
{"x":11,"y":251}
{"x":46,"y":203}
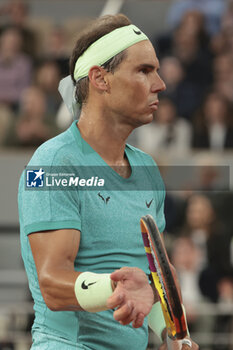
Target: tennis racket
{"x":163,"y":279}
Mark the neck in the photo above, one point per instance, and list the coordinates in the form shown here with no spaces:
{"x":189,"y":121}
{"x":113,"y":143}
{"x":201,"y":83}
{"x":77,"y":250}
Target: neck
{"x":104,"y":133}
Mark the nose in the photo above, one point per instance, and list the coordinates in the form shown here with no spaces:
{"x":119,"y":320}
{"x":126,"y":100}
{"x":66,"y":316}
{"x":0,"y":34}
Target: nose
{"x":158,"y":85}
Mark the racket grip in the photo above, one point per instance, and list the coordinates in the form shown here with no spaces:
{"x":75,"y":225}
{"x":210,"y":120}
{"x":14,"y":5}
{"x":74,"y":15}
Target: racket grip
{"x":173,"y":344}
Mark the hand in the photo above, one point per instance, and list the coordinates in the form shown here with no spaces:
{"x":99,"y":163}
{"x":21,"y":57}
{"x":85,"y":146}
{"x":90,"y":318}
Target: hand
{"x":133,"y":296}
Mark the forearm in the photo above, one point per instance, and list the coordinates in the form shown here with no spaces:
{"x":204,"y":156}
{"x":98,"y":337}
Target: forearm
{"x":66,"y":290}
{"x":77,"y":291}
{"x":54,"y":254}
{"x":57,"y":288}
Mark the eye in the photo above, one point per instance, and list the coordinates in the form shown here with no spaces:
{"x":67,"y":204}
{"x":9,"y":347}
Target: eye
{"x":145,"y":70}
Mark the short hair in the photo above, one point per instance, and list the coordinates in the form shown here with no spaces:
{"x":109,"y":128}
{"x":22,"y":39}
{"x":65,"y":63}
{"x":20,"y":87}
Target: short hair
{"x":99,"y":28}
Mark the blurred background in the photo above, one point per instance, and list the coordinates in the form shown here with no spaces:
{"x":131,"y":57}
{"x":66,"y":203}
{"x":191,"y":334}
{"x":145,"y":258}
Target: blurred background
{"x":191,"y":139}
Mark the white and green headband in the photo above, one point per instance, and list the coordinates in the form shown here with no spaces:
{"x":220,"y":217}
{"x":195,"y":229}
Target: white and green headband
{"x":97,"y":54}
{"x":106,"y":48}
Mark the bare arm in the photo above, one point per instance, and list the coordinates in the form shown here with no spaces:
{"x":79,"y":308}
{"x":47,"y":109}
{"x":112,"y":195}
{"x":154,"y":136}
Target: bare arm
{"x":54,"y":253}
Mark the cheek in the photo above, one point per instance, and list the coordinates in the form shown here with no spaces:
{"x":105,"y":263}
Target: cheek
{"x":130,"y":93}
{"x":138,"y":93}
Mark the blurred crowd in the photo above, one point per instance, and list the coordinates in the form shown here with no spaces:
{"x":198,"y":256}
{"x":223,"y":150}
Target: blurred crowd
{"x":195,"y":112}
{"x":199,"y":240}
{"x":34,"y":57}
{"x":196,"y":59}
{"x":196,"y":56}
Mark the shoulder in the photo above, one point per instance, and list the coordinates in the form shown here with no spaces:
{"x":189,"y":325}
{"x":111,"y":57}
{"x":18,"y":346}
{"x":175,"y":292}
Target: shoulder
{"x":57,"y":150}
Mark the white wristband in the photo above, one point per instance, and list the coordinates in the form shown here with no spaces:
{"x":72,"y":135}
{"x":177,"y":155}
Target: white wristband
{"x":92,"y":291}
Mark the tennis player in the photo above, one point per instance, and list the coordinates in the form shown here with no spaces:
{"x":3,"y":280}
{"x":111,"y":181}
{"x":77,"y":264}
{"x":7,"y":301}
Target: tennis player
{"x":82,"y":249}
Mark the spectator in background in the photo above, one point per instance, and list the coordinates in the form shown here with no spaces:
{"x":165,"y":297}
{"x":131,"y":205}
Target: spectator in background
{"x":222,"y":42}
{"x":15,"y":13}
{"x":56,"y":49}
{"x":223,"y":75}
{"x":47,"y":77}
{"x":15,"y":67}
{"x":203,"y":227}
{"x":6,"y":119}
{"x":224,"y":323}
{"x":33,"y":125}
{"x":199,"y":223}
{"x":213,"y":127}
{"x":168,"y":132}
{"x":192,"y":23}
{"x":227,"y":26}
{"x":188,"y":48}
{"x":184,"y":94}
{"x":185,"y":256}
{"x":225,"y":290}
{"x":211,"y":9}
{"x":189,"y":43}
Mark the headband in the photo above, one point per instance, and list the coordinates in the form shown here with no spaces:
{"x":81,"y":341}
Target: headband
{"x":106,"y":48}
{"x":97,"y":54}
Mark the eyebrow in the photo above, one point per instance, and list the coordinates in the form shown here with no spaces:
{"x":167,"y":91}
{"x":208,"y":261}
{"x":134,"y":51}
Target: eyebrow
{"x":150,"y":66}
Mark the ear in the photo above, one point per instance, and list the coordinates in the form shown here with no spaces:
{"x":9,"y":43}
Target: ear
{"x":97,"y":76}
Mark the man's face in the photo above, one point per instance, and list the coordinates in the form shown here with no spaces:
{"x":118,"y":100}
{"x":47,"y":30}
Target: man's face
{"x":134,"y":86}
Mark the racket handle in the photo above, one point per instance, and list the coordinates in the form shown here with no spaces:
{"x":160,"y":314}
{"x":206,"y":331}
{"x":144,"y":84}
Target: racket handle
{"x":173,"y":344}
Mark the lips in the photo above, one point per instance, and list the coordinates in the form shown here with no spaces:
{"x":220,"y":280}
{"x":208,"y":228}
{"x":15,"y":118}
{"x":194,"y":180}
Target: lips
{"x":154,"y":105}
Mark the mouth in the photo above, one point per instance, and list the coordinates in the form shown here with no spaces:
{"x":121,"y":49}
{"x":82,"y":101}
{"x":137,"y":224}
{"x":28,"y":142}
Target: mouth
{"x":154,"y":105}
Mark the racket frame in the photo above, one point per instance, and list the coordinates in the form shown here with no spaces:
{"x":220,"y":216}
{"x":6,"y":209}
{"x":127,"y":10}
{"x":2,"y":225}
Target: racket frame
{"x":163,"y":279}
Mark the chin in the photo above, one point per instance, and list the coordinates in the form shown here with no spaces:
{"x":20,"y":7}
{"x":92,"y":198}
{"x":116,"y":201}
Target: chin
{"x":141,"y":120}
{"x":146,"y":119}
{"x":149,"y":118}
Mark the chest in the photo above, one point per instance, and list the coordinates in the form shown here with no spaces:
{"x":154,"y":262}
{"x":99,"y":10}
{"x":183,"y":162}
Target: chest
{"x":113,"y":217}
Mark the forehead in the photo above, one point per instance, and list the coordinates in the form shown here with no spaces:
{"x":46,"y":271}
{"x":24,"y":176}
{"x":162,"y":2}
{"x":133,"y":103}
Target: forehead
{"x":141,"y":53}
